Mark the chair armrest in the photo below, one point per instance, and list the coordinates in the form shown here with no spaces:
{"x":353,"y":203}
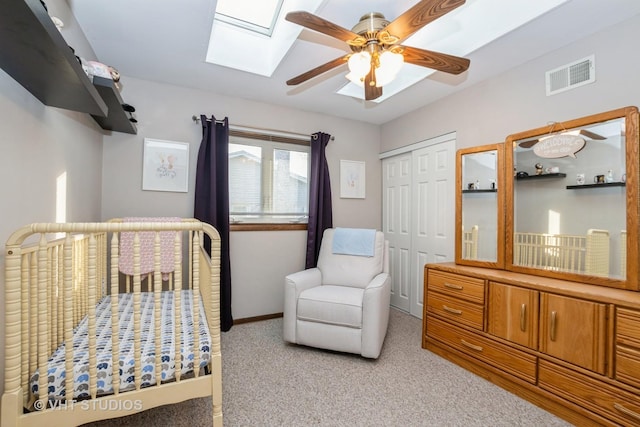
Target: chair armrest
{"x":294,"y":284}
{"x":375,"y":314}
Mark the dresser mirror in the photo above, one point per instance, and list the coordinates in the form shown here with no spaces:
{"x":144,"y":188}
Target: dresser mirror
{"x":480,"y":206}
{"x":572,"y":206}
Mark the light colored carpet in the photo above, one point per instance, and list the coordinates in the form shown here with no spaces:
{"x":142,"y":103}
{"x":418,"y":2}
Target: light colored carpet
{"x":267,"y":382}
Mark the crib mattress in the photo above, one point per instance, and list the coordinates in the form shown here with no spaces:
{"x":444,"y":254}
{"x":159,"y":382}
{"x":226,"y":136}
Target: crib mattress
{"x":56,"y":366}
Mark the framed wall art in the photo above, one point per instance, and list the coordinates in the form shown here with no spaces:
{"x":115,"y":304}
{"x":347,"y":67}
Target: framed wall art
{"x":165,"y":166}
{"x":352,"y":179}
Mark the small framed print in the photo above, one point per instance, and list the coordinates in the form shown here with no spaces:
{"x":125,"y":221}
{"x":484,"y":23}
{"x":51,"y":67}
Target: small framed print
{"x":165,"y":166}
{"x":352,"y":179}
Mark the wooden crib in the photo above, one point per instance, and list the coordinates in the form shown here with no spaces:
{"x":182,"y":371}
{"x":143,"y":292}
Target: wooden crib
{"x":64,"y":285}
{"x":470,"y":243}
{"x":588,"y":254}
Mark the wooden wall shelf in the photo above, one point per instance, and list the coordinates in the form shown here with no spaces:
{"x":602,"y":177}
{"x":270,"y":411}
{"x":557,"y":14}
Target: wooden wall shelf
{"x":601,"y":185}
{"x":35,"y":54}
{"x":543,"y":176}
{"x":117,"y":119}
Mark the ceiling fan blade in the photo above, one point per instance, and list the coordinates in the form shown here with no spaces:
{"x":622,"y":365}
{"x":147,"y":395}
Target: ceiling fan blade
{"x":420,"y":15}
{"x":321,"y":25}
{"x":528,"y":144}
{"x":318,"y":70}
{"x":371,"y":91}
{"x":435,"y":60}
{"x":590,"y":134}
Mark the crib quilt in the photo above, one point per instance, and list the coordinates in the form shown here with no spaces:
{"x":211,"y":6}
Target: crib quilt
{"x":56,"y":365}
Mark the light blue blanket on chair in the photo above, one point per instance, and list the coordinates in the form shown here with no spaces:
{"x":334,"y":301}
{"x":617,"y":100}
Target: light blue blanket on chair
{"x":354,"y":241}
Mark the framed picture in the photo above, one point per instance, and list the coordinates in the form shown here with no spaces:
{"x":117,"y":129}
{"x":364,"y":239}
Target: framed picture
{"x":352,"y":179}
{"x":165,"y":166}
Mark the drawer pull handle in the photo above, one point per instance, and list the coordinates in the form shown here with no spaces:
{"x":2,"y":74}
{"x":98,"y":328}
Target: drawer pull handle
{"x":552,"y":331}
{"x":471,"y":346}
{"x":523,"y":317}
{"x":626,"y":411}
{"x":451,"y":310}
{"x":451,"y":286}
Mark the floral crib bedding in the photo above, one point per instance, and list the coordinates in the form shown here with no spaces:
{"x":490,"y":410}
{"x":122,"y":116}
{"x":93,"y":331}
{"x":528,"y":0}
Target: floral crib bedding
{"x":56,"y":366}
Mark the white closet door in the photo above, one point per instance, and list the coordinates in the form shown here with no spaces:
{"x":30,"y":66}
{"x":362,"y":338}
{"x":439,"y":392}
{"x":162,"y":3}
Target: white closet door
{"x":433,"y":207}
{"x":418,"y":200}
{"x":396,"y":202}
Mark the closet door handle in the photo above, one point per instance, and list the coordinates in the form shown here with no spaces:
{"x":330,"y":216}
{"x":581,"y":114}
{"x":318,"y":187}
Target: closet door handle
{"x":552,"y":331}
{"x":523,"y":317}
{"x":471,"y":346}
{"x":451,"y":286}
{"x":451,"y":310}
{"x":626,"y":411}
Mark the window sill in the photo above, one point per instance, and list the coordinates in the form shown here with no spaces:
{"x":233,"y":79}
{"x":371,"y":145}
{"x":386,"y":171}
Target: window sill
{"x":266,"y":227}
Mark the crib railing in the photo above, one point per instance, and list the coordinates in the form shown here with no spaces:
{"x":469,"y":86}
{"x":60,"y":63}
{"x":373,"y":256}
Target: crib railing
{"x":588,"y":254}
{"x":470,"y":243}
{"x":52,"y":285}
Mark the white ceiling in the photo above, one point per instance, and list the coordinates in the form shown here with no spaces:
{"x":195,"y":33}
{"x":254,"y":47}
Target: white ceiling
{"x":167,"y":40}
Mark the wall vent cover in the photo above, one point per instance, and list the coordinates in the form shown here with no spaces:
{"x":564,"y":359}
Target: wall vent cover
{"x":570,"y":76}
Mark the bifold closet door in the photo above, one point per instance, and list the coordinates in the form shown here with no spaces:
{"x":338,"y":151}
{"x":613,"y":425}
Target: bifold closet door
{"x":418,"y":200}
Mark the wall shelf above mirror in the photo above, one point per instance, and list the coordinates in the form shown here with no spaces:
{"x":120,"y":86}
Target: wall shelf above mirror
{"x":480,"y":206}
{"x":541,"y":176}
{"x":590,"y":237}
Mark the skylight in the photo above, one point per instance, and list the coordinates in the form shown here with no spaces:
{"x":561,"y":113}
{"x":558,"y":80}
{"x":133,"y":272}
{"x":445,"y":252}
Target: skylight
{"x":245,"y":48}
{"x":255,"y":16}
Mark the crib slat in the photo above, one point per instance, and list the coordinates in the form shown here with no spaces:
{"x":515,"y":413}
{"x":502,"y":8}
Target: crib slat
{"x":68,"y":317}
{"x":24,"y":330}
{"x":33,"y":308}
{"x":157,"y":288}
{"x":136,"y":310}
{"x":43,"y":317}
{"x":91,"y":291}
{"x":196,"y":306}
{"x":115,"y":320}
{"x":177,"y":306}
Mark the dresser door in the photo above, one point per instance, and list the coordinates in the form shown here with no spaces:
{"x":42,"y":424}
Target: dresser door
{"x":573,"y":330}
{"x":513,"y":314}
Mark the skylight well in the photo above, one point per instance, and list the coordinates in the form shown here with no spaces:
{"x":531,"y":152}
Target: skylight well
{"x":257,"y":16}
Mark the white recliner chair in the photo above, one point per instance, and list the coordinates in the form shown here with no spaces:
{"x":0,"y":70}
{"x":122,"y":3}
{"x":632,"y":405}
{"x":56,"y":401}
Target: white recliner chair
{"x":343,"y":303}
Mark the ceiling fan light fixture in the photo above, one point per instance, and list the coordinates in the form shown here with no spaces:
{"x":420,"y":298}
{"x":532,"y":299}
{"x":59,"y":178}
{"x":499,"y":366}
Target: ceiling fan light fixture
{"x":359,"y":64}
{"x":390,"y":65}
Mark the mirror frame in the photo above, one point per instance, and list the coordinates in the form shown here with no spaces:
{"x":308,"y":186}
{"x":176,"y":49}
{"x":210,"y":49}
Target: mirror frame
{"x":500,"y":182}
{"x":630,"y":114}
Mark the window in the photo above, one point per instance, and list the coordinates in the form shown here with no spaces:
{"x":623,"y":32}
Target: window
{"x":268,"y":181}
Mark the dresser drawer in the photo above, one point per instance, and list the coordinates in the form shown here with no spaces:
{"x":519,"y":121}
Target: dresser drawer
{"x":628,"y":327}
{"x":510,"y":360}
{"x":628,"y":365}
{"x":589,"y":393}
{"x":468,"y":288}
{"x":458,"y":310}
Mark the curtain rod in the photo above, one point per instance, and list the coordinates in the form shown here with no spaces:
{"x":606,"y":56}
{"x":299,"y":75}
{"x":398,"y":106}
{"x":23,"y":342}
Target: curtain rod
{"x":271,"y":132}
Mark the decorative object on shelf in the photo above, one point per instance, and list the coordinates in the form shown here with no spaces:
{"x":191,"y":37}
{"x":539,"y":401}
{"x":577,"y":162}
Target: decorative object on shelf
{"x":471,"y":186}
{"x":165,"y":165}
{"x":539,"y":169}
{"x":609,"y":177}
{"x":598,"y":179}
{"x":521,"y":174}
{"x":115,"y":76}
{"x":580,"y":179}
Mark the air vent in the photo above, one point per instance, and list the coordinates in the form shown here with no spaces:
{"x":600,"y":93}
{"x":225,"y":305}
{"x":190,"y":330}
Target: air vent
{"x":570,"y":76}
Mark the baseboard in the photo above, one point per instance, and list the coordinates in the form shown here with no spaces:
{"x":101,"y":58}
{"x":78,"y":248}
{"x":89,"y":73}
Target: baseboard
{"x":256,"y":318}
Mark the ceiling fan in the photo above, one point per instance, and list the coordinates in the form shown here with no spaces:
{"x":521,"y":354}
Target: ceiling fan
{"x":375,"y":43}
{"x":576,"y":134}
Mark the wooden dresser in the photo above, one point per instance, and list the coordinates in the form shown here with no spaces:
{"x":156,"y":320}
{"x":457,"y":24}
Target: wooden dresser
{"x":570,"y":348}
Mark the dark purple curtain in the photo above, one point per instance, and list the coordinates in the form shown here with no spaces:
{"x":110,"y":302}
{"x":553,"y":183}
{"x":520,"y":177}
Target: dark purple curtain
{"x":212,"y":200}
{"x":320,"y":211}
